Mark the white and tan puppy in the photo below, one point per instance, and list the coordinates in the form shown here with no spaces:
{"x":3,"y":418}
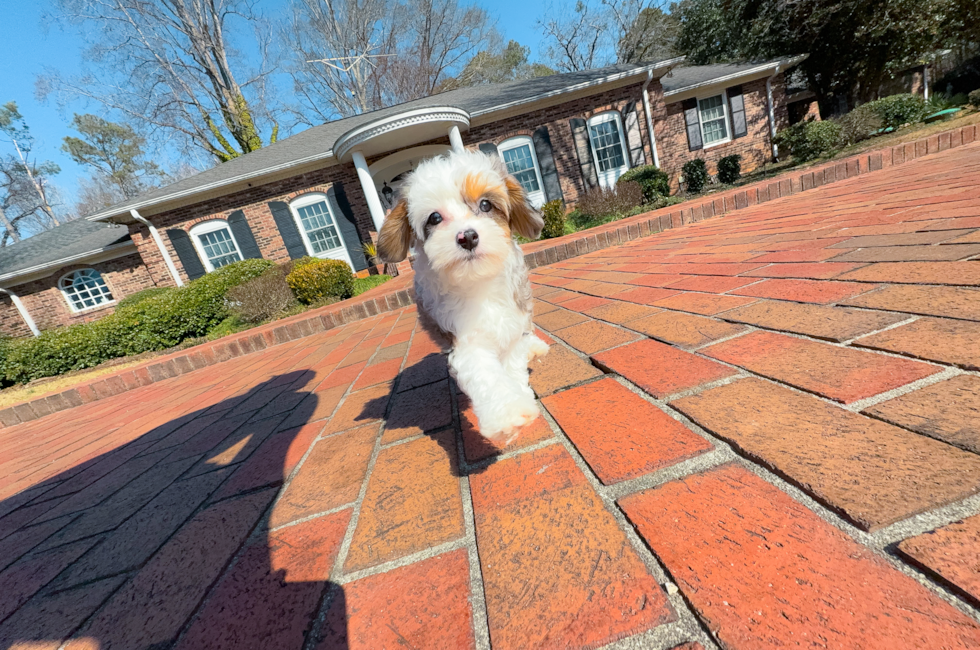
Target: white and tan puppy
{"x":458,"y":211}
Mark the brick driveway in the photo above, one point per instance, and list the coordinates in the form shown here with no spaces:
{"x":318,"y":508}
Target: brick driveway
{"x":762,"y":431}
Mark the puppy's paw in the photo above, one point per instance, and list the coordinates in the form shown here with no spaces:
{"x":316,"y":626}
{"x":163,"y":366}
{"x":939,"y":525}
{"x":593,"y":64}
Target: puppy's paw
{"x":536,"y":348}
{"x":505,"y":429}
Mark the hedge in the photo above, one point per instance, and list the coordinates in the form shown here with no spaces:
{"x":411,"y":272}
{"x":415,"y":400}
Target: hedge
{"x":155,"y":323}
{"x":654,"y":181}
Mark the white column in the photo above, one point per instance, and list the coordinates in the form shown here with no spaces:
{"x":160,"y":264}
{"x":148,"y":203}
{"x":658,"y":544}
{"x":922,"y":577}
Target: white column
{"x":370,"y":191}
{"x":163,"y":249}
{"x":23,"y":311}
{"x":456,"y":139}
{"x":772,"y":115}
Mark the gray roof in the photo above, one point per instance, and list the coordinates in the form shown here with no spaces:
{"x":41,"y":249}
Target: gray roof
{"x":70,"y":240}
{"x":317,"y":142}
{"x":684,"y":78}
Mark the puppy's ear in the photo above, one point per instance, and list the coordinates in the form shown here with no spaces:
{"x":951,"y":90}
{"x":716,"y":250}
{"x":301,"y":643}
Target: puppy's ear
{"x":396,"y":235}
{"x":524,"y":219}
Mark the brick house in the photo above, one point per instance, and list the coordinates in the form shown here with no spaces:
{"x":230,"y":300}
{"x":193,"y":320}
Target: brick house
{"x":325,"y":191}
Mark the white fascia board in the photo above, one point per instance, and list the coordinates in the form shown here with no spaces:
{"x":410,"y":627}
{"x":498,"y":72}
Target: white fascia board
{"x":42,"y":270}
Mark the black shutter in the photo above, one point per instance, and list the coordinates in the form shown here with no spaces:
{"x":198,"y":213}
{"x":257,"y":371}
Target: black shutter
{"x":583,"y":149}
{"x":287,"y":229}
{"x":243,"y":235}
{"x":631,"y":123}
{"x":546,"y":161}
{"x":693,"y":123}
{"x":341,"y":209}
{"x":736,"y":104}
{"x":181,"y":242}
{"x":489,"y":148}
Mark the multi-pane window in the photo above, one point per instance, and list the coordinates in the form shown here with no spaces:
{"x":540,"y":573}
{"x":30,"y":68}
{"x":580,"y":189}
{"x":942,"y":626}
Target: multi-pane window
{"x":714,"y":122}
{"x":522,"y":163}
{"x":319,"y":226}
{"x":607,"y":144}
{"x":215,"y":244}
{"x":85,"y":289}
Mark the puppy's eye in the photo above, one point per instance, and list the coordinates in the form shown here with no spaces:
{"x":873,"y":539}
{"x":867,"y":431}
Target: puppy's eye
{"x":434,"y":219}
{"x":485,"y":206}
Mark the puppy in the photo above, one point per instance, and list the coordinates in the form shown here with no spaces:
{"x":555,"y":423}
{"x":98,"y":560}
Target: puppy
{"x":459,"y":211}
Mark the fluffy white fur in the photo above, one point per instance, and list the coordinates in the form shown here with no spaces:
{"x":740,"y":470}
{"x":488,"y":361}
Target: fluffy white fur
{"x":481,"y":297}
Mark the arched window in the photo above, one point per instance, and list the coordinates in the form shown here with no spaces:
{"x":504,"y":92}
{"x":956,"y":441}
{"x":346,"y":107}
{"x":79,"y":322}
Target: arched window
{"x":318,"y":227}
{"x":608,"y":147}
{"x":522,"y":163}
{"x":215,"y":244}
{"x":85,"y":289}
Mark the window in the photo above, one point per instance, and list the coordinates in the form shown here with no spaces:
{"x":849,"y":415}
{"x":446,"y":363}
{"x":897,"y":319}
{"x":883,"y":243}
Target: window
{"x":608,"y":147}
{"x":216,"y":244}
{"x":319,"y":228}
{"x":85,"y":289}
{"x":522,"y":163}
{"x":714,"y":119}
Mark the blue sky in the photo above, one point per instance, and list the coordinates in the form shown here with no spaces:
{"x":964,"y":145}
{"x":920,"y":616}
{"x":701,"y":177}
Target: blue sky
{"x":29,"y":46}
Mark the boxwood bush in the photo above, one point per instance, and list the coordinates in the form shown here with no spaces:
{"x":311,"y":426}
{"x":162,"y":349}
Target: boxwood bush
{"x":654,"y":181}
{"x":554,"y":219}
{"x":321,"y":279}
{"x":896,"y":110}
{"x":810,"y":139}
{"x":730,"y":169}
{"x":695,"y":175}
{"x":154,"y":323}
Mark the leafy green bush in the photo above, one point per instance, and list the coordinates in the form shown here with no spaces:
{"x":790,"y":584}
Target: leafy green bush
{"x":695,"y":175}
{"x":321,"y":279}
{"x":140,"y":296}
{"x":974,"y":98}
{"x":896,"y":110}
{"x":810,"y":139}
{"x":730,"y":169}
{"x":603,"y":202}
{"x":654,"y":181}
{"x":554,"y":219}
{"x":860,"y":124}
{"x":155,"y":323}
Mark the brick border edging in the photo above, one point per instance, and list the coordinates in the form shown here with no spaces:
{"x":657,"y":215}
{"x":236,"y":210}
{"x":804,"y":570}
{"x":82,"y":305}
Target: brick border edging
{"x":210,"y":353}
{"x":536,"y":254}
{"x":619,"y":232}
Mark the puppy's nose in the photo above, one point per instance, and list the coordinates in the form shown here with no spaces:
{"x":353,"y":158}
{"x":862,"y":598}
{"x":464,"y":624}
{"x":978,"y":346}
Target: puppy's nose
{"x":468,"y":239}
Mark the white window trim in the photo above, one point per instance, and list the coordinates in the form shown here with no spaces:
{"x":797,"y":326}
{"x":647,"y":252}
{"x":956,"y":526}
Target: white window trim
{"x":312,"y":199}
{"x":538,"y":198}
{"x":728,"y":121}
{"x":71,"y":304}
{"x":609,"y":177}
{"x":211,"y":226}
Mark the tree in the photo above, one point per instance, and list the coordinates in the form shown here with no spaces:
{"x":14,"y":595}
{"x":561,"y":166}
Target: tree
{"x":167,"y":67}
{"x":354,"y":56}
{"x":24,"y":182}
{"x":114,"y":151}
{"x":650,"y":35}
{"x":489,"y":67}
{"x":575,"y":40}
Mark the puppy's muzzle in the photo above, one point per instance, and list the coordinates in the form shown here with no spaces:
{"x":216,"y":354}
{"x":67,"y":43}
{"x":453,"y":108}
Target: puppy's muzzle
{"x":468,"y":239}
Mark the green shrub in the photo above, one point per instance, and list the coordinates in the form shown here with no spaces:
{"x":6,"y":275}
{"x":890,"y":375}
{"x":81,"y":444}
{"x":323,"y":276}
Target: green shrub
{"x":654,"y":181}
{"x":140,"y":296}
{"x":614,"y":202}
{"x":974,"y":98}
{"x":860,"y":124}
{"x":261,"y":298}
{"x":896,"y":110}
{"x":730,"y":169}
{"x":810,"y":139}
{"x":321,"y":279}
{"x":554,"y":219}
{"x":695,"y":175}
{"x":154,"y":323}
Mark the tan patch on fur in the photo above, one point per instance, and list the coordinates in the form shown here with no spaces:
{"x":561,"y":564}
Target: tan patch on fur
{"x":474,"y":187}
{"x":395,"y":237}
{"x":523,"y":218}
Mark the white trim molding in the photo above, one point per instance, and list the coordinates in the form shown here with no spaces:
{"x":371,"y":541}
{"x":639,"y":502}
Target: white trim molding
{"x":213,"y":225}
{"x":91,"y":257}
{"x":349,"y":141}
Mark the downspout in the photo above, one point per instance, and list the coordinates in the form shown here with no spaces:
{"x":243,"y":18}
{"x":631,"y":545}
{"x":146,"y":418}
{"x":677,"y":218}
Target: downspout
{"x":646,"y":109}
{"x":925,"y":82}
{"x":772,"y":114}
{"x":14,"y":298}
{"x":163,"y":249}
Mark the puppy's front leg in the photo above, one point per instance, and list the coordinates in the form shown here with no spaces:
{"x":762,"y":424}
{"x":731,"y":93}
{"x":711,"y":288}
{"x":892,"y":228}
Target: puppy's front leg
{"x":502,"y":406}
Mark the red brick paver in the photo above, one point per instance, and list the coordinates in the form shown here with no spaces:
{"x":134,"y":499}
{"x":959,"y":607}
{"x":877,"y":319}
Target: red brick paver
{"x":727,"y":408}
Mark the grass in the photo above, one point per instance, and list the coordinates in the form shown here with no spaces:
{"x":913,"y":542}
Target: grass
{"x":365,"y":284}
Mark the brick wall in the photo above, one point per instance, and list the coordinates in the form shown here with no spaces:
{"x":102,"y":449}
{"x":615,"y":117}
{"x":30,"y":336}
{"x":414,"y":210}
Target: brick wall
{"x":754,"y":147}
{"x":254,"y":202}
{"x":47,"y":305}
